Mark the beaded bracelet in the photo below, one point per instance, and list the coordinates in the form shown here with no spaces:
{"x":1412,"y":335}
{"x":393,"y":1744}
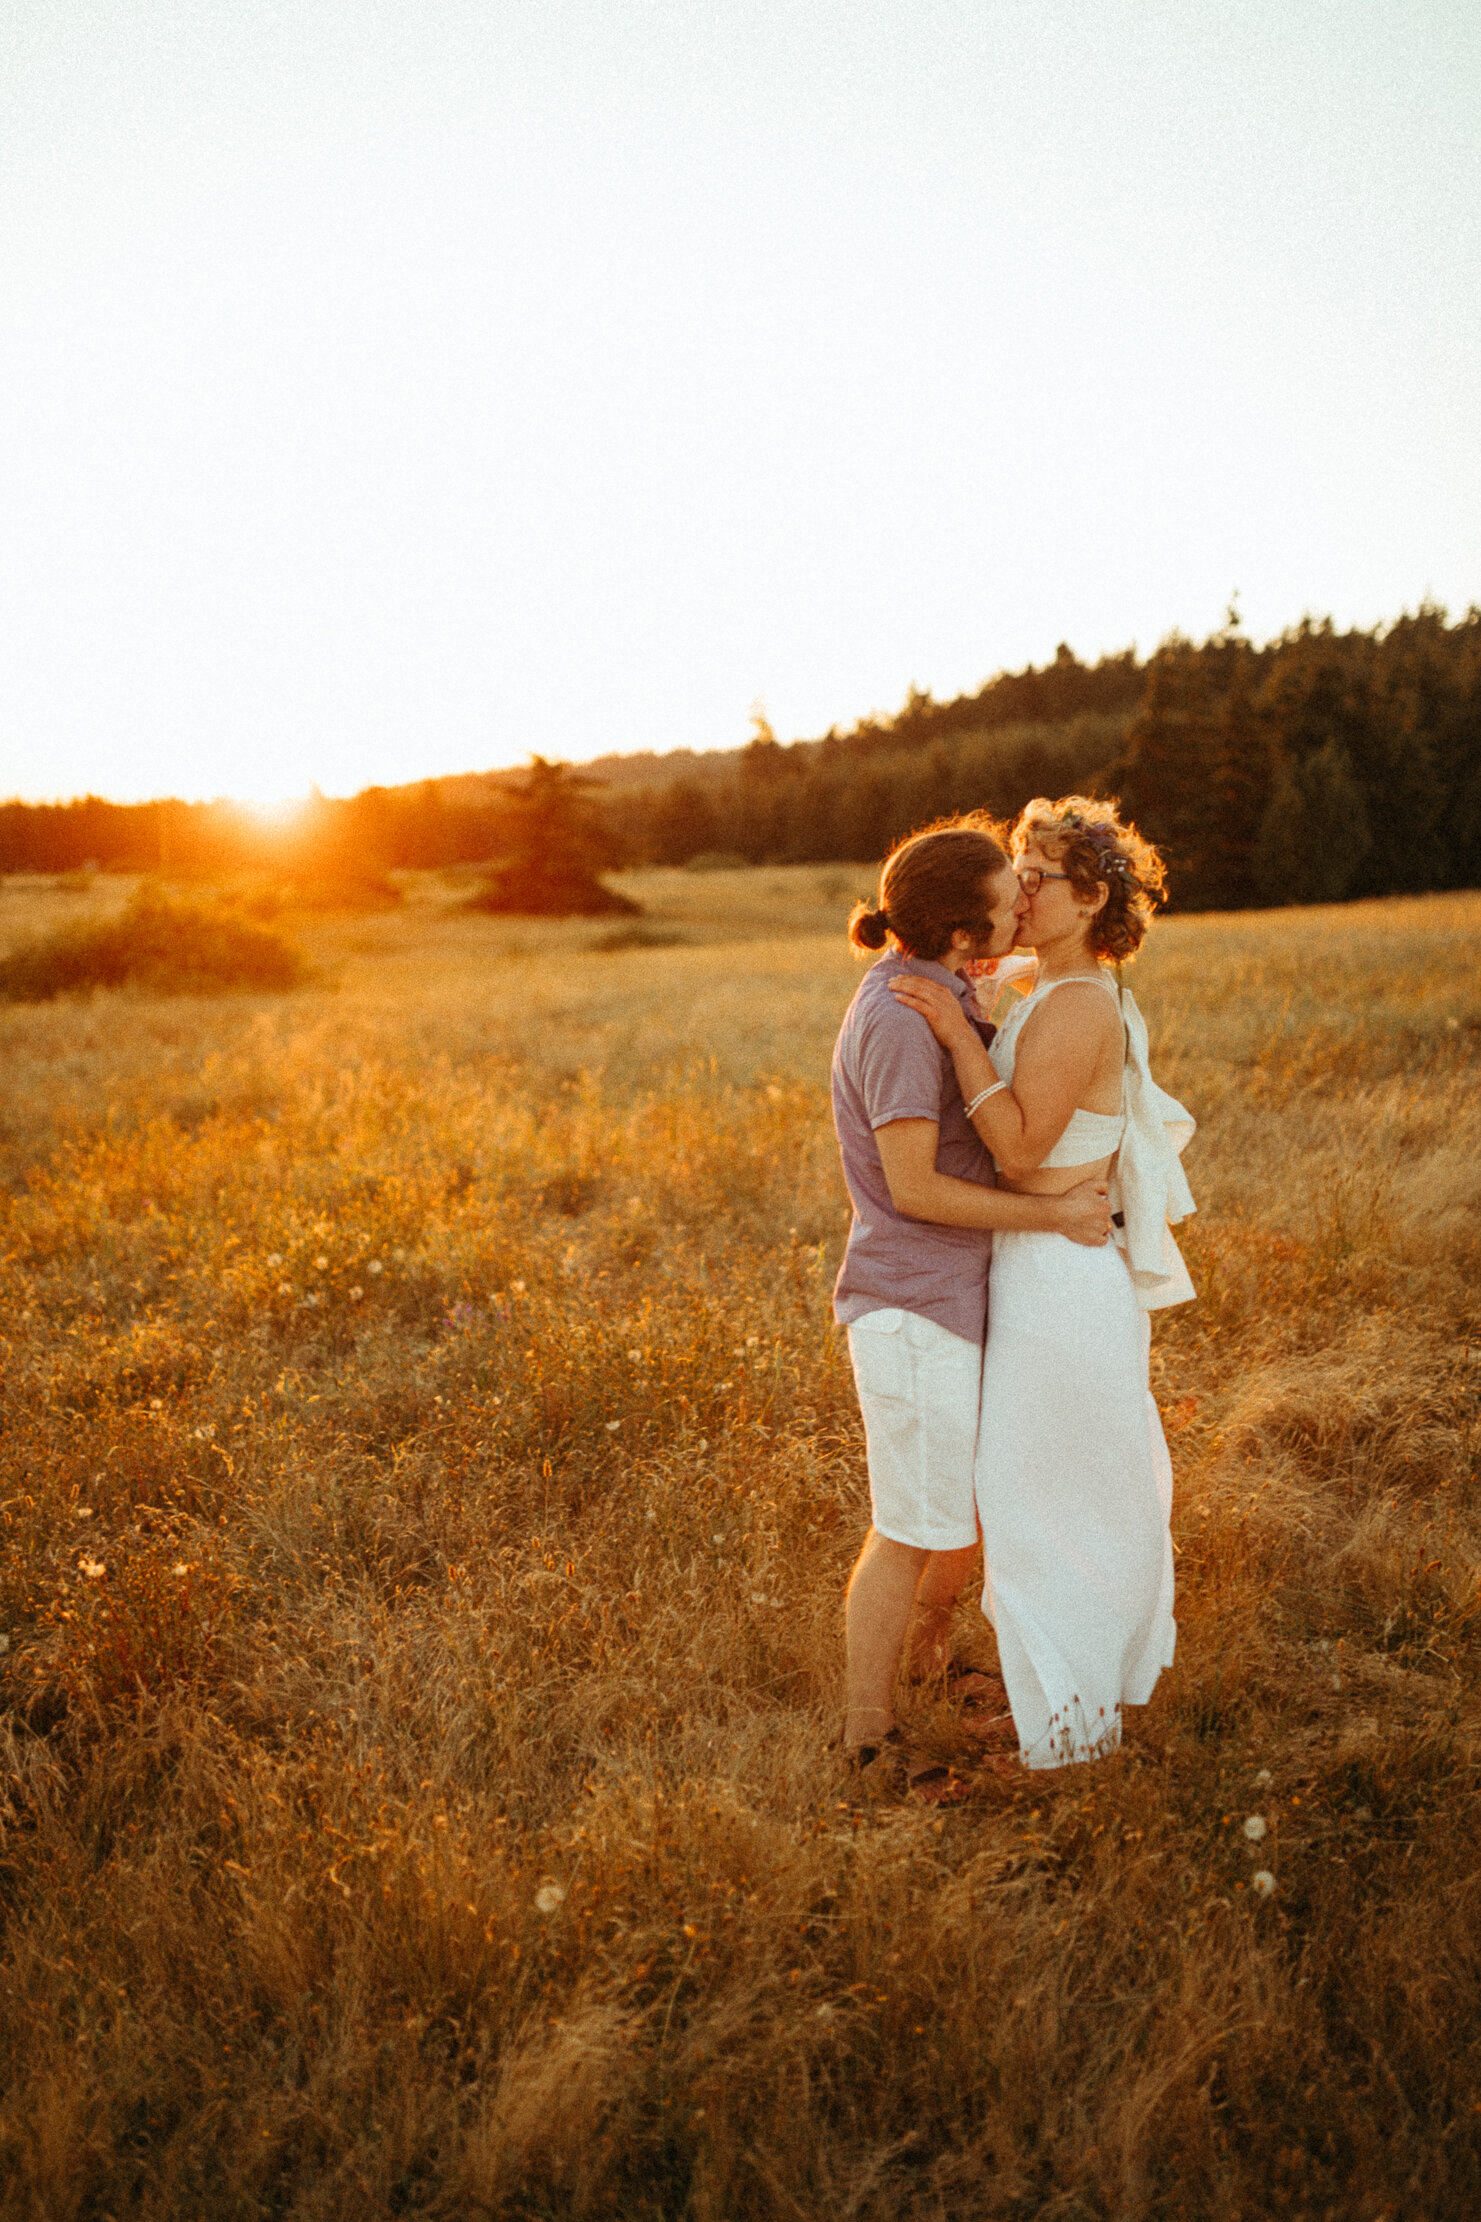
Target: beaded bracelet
{"x":979,"y":1100}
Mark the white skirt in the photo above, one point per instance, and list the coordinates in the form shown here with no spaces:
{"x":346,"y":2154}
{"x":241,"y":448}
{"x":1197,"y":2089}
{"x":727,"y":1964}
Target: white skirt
{"x":1074,"y":1493}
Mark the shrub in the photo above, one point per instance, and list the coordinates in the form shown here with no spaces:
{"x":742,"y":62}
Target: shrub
{"x":549,"y":890}
{"x":166,"y":947}
{"x":640,"y":936}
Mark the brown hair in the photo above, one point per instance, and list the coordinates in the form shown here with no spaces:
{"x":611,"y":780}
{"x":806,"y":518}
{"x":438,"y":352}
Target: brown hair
{"x":1098,"y":851}
{"x":930,"y":884}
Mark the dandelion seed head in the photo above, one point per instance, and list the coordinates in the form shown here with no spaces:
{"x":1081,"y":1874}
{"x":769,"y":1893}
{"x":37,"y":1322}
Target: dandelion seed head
{"x":321,"y":1265}
{"x":285,"y":1288}
{"x":1264,"y":1779}
{"x":1255,"y":1828}
{"x":356,"y":1294}
{"x":274,"y":1257}
{"x":636,"y":1356}
{"x":156,"y":1404}
{"x":751,"y":1341}
{"x":612,"y":1426}
{"x":549,"y":1896}
{"x":375,"y":1266}
{"x":1263,"y":1883}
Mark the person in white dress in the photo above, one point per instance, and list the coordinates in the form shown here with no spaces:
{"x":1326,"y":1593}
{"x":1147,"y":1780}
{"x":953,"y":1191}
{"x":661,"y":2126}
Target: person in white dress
{"x":1073,"y":1479}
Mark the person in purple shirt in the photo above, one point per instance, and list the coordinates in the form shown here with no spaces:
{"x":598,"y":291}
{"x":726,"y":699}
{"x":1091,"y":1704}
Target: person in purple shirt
{"x":912,"y":1289}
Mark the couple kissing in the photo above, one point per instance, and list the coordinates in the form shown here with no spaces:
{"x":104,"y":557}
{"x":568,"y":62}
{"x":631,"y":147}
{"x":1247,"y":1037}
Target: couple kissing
{"x":1013,"y":1193}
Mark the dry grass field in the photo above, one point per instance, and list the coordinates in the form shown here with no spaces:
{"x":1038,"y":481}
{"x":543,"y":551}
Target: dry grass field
{"x":429,"y":1477}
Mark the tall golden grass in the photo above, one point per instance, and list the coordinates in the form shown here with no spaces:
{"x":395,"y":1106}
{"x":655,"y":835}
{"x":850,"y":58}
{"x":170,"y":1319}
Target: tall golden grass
{"x":429,"y":1477}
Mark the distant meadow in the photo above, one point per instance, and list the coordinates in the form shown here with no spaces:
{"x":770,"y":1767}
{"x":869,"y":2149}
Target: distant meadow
{"x":430,"y":1473}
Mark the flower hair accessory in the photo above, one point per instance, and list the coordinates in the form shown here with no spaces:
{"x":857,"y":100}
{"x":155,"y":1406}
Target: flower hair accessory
{"x":1103,"y":840}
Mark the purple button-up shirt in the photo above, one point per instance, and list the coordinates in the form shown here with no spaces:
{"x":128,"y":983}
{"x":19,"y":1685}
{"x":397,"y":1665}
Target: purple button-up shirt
{"x":889,"y":1065}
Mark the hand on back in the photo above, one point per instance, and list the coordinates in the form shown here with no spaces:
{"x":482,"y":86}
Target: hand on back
{"x":1087,"y":1214}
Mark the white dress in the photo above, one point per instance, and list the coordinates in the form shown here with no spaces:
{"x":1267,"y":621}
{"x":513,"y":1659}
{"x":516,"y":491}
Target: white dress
{"x":1074,"y":1483}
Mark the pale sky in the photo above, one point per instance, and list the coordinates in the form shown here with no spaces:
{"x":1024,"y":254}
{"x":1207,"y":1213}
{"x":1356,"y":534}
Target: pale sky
{"x":392,"y":387}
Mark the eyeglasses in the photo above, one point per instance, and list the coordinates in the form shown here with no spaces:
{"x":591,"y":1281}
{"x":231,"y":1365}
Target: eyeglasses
{"x":1033,"y":879}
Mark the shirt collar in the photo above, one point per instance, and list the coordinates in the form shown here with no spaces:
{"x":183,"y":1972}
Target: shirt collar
{"x":963,"y":989}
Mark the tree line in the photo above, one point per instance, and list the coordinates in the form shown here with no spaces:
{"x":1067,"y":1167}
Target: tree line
{"x":1321,"y":765}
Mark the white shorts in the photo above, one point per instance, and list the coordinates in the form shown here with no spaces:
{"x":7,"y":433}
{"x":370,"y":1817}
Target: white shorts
{"x":919,"y":1390}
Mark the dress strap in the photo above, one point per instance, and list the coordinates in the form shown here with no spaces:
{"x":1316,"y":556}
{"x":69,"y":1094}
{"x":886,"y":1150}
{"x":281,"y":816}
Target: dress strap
{"x":1047,"y":987}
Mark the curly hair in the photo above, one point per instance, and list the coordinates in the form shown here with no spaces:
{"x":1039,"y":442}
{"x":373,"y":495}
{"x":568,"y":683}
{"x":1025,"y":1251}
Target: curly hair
{"x":1097,"y":850}
{"x":930,"y":884}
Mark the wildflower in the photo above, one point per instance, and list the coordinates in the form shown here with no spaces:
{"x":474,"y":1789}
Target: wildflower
{"x":180,"y":1568}
{"x":92,"y":1568}
{"x":1255,"y":1829}
{"x":549,"y":1896}
{"x":612,"y":1426}
{"x":274,"y":1257}
{"x":375,"y":1266}
{"x":751,"y":1341}
{"x":356,"y":1294}
{"x":321,"y":1265}
{"x":1264,"y":1779}
{"x":1263,"y":1883}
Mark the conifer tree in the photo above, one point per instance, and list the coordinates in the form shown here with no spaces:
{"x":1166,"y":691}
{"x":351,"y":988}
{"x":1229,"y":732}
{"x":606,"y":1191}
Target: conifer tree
{"x":1316,"y":833}
{"x":552,"y":847}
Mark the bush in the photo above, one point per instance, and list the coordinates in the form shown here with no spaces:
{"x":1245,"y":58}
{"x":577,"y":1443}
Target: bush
{"x":552,"y":890}
{"x":638,"y":937}
{"x":166,"y":947}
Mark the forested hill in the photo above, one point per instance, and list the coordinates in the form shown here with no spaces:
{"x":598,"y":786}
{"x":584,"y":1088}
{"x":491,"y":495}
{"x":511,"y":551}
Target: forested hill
{"x":1317,"y":766}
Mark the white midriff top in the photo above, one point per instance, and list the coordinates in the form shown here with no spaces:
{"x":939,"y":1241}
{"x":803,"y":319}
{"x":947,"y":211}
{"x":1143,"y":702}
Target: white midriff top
{"x":1090,"y":1134}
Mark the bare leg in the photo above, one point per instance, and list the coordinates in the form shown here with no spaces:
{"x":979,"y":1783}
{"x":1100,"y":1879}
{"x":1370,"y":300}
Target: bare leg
{"x":881,"y":1594}
{"x":946,"y":1575}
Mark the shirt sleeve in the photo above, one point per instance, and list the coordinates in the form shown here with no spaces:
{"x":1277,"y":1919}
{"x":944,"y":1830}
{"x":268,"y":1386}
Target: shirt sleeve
{"x":899,"y":1066}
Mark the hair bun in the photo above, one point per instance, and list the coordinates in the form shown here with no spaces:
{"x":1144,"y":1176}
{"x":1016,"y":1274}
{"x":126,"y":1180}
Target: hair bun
{"x":872,"y":929}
